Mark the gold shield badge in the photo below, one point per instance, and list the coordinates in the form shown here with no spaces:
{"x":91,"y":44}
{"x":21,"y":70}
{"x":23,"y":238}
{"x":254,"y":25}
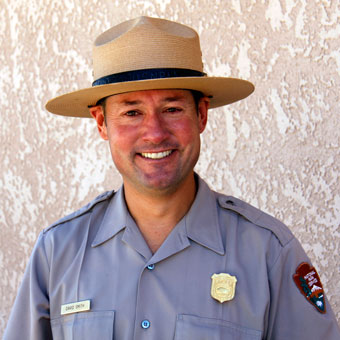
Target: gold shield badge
{"x":223,"y":287}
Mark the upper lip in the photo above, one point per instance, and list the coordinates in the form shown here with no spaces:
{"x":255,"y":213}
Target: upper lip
{"x":156,"y":148}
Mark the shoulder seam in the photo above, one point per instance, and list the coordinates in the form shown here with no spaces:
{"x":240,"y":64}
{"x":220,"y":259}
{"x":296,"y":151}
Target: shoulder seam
{"x":257,"y":217}
{"x":82,"y":211}
{"x":279,"y":255}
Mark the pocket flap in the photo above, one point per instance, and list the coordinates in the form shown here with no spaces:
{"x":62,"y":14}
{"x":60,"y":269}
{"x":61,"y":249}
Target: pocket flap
{"x":198,"y":328}
{"x":86,"y":325}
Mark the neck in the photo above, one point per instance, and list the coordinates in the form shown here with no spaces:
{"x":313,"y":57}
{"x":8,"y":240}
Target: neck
{"x":157,"y":215}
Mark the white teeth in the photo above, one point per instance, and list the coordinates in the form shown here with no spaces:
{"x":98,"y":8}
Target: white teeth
{"x":156,"y":155}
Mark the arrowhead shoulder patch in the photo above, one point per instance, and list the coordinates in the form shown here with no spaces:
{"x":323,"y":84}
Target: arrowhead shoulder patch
{"x":308,"y":281}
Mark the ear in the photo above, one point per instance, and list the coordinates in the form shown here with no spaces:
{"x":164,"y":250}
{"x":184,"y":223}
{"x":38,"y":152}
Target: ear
{"x":203,"y":106}
{"x":98,"y":114}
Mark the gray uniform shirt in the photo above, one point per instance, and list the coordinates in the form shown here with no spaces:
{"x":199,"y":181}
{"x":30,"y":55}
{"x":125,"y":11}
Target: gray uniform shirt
{"x":98,"y":254}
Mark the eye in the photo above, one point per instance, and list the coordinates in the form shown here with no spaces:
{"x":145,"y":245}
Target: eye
{"x":131,"y":113}
{"x":173,"y":109}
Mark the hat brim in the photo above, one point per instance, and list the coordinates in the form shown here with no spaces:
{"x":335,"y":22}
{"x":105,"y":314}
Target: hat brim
{"x":222,"y":91}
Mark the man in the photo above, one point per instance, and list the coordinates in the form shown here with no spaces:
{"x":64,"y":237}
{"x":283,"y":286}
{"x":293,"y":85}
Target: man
{"x":164,"y":257}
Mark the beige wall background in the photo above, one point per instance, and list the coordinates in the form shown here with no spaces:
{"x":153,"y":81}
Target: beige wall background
{"x":278,"y":149}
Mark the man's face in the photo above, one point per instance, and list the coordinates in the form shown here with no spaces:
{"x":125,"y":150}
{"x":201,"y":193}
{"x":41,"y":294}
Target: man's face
{"x":154,"y":137}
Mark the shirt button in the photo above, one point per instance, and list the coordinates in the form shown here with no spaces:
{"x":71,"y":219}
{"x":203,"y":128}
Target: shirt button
{"x":145,"y":324}
{"x":151,"y":266}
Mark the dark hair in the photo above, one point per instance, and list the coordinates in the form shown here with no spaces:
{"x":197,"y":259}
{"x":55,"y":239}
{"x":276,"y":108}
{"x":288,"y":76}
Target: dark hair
{"x":197,"y":95}
{"x":102,"y":102}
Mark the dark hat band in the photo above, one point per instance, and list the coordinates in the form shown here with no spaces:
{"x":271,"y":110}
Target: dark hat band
{"x":154,"y":73}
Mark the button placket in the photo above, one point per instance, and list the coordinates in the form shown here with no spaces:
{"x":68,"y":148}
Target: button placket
{"x":144,"y":316}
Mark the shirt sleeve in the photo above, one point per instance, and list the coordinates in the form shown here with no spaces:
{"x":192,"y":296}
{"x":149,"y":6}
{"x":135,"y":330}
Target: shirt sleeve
{"x":30,"y":317}
{"x":292,"y":315}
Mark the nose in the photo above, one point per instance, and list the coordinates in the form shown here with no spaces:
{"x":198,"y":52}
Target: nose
{"x":154,"y":129}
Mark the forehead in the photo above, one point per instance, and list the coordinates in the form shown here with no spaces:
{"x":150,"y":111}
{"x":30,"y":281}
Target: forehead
{"x":167,"y":95}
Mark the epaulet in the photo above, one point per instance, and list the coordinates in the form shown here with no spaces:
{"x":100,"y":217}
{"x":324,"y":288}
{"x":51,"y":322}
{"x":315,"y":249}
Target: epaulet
{"x":257,"y":217}
{"x":102,"y":197}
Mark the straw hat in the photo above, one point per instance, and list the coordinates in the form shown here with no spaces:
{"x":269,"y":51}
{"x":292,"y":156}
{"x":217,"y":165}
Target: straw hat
{"x":144,"y":54}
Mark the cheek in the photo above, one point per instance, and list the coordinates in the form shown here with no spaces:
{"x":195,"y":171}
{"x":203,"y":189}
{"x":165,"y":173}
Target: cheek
{"x":121,"y":139}
{"x":187,"y":131}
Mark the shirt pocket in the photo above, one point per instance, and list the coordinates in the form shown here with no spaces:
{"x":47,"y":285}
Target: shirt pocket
{"x":198,"y":328}
{"x":84,"y":326}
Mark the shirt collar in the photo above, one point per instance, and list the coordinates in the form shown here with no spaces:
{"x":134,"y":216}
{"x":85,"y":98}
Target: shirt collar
{"x":114,"y":219}
{"x":200,"y":223}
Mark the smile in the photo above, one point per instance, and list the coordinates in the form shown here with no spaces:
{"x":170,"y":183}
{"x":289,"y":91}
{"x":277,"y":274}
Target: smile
{"x":156,"y":155}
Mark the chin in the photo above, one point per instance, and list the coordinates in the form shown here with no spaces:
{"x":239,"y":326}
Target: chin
{"x":164,"y":185}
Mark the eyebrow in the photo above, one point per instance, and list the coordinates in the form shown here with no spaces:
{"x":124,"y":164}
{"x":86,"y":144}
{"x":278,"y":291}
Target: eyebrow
{"x":165,"y":100}
{"x":173,"y":99}
{"x":130,"y":102}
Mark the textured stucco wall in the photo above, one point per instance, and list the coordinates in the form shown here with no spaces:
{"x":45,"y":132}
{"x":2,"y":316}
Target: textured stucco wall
{"x":278,"y":149}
